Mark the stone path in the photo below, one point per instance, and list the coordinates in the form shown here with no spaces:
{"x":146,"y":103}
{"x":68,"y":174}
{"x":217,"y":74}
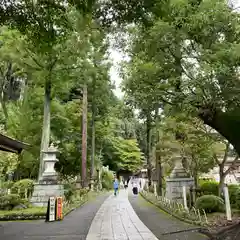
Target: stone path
{"x":116,"y":220}
{"x":104,"y":218}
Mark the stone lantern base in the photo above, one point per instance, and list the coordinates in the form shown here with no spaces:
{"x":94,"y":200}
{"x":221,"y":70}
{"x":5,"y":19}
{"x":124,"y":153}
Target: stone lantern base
{"x":174,"y":184}
{"x":43,"y":190}
{"x":174,"y":188}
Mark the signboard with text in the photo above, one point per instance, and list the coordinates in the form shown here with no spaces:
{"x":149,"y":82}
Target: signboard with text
{"x":59,"y":208}
{"x":52,"y":209}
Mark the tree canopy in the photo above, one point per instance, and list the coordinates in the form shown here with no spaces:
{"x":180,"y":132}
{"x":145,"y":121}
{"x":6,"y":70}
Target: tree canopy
{"x":182,"y":78}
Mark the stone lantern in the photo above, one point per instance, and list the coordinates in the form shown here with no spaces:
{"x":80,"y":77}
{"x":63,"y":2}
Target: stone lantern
{"x":48,"y":185}
{"x":49,"y":161}
{"x":178,"y":180}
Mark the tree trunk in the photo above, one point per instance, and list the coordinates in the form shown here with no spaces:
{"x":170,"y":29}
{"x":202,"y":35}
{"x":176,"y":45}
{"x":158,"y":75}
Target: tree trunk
{"x":46,"y":125}
{"x":226,"y":123}
{"x":220,"y":186}
{"x":93,"y":131}
{"x":159,"y":176}
{"x":149,"y":171}
{"x":84,"y":136}
{"x":3,"y":102}
{"x":158,"y":155}
{"x":195,"y":176}
{"x":4,"y":108}
{"x":222,"y":177}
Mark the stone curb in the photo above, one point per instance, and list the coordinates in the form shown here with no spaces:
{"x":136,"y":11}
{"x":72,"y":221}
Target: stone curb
{"x":170,"y":213}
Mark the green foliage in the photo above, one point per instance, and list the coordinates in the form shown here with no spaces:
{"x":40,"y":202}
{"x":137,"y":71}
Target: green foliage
{"x":69,"y":190}
{"x":162,"y":69}
{"x":107,"y":179}
{"x":237,"y":198}
{"x":21,"y":186}
{"x":233,"y":189}
{"x":210,"y":203}
{"x":31,"y":210}
{"x":209,"y":188}
{"x":123,"y":154}
{"x":32,"y":213}
{"x":9,"y":201}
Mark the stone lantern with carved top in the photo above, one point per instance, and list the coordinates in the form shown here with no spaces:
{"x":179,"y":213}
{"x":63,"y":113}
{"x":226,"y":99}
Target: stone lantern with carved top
{"x":48,"y":185}
{"x":49,"y":160}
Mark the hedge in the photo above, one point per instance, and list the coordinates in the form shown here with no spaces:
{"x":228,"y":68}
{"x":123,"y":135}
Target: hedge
{"x":210,"y":203}
{"x":33,"y":213}
{"x":37,"y":213}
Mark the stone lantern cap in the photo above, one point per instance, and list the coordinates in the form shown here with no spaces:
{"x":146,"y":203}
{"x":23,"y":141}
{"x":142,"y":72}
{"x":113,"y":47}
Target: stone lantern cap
{"x":51,"y":149}
{"x":179,"y":171}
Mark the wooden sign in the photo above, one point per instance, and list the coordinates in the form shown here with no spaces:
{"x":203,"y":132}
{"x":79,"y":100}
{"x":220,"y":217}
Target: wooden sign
{"x":50,"y":217}
{"x":59,"y":208}
{"x":52,"y":209}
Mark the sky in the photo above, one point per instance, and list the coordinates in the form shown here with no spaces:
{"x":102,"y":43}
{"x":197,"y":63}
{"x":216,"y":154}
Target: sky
{"x":117,"y":57}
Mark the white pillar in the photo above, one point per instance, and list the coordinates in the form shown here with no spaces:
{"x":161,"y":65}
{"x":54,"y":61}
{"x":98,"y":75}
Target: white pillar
{"x":227,"y":204}
{"x":185,"y":198}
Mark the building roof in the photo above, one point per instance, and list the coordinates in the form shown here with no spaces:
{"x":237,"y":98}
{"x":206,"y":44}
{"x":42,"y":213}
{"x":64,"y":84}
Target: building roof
{"x":8,"y":144}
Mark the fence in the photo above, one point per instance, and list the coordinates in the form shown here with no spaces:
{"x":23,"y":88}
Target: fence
{"x":26,"y":194}
{"x":177,"y":209}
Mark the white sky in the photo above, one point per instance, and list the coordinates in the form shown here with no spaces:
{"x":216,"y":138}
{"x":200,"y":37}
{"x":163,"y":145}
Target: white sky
{"x":117,"y":57}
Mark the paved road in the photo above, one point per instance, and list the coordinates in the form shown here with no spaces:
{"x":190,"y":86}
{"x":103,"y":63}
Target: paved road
{"x":116,"y":220}
{"x":159,"y":222}
{"x":75,"y":226}
{"x":105,"y":218}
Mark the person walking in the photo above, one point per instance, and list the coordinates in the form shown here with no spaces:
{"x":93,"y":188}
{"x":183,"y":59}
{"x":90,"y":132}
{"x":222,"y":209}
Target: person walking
{"x":135,"y":188}
{"x":115,"y":186}
{"x":125,"y":185}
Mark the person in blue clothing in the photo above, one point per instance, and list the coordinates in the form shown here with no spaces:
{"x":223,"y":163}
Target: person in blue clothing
{"x":115,"y":186}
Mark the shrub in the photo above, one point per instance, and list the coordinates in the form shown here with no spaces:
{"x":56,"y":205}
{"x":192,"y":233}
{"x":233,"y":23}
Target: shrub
{"x":69,"y":190}
{"x":237,"y":198}
{"x":20,"y":187}
{"x":7,"y":185}
{"x":209,"y":188}
{"x":233,"y":189}
{"x":107,"y":180}
{"x":24,"y":214}
{"x":8,"y":202}
{"x":210,"y":203}
{"x":83,"y":191}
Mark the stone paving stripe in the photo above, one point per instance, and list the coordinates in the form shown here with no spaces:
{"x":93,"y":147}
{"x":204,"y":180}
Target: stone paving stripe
{"x":118,"y":221}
